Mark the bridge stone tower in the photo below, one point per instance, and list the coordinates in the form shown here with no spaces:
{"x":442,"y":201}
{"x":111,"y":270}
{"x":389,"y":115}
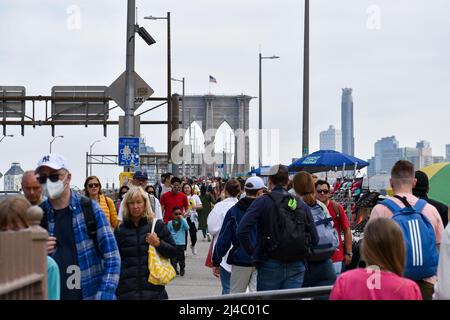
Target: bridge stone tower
{"x":210,"y":111}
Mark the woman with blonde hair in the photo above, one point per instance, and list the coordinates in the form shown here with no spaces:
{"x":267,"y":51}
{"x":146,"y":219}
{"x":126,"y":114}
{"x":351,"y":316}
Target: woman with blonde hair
{"x":93,"y":190}
{"x":133,"y":238}
{"x":321,"y":270}
{"x":383,"y":250}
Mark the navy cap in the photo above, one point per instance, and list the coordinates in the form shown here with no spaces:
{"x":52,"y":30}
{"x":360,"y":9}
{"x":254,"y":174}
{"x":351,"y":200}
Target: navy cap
{"x":140,"y":175}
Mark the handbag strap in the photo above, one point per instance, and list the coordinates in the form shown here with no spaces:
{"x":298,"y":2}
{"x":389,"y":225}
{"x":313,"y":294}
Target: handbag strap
{"x":153,"y":225}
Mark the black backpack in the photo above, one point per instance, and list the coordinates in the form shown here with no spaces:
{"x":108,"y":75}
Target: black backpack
{"x":158,"y":190}
{"x":89,"y":217}
{"x":286,"y":237}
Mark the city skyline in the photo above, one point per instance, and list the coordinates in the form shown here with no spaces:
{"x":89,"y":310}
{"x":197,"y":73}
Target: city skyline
{"x":387,"y":151}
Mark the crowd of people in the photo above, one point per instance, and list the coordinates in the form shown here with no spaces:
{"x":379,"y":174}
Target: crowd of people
{"x":287,"y":234}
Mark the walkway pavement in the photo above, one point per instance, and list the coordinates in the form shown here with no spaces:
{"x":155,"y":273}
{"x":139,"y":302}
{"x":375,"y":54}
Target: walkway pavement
{"x":198,"y":280}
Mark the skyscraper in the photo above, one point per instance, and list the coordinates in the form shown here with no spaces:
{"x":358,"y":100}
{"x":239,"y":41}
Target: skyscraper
{"x":447,"y":152}
{"x":382,"y":145}
{"x":348,"y":139}
{"x":331,"y":139}
{"x":425,"y":154}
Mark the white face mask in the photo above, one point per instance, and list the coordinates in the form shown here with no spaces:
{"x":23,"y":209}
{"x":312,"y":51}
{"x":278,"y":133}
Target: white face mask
{"x":53,"y":190}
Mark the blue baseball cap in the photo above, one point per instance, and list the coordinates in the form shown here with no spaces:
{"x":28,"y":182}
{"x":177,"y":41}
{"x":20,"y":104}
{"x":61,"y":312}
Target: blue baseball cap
{"x":140,"y":175}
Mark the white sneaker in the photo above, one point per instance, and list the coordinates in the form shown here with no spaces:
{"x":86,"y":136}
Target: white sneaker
{"x":194,"y":250}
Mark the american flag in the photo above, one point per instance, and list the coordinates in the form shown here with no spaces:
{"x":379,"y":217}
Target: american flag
{"x":212,"y":79}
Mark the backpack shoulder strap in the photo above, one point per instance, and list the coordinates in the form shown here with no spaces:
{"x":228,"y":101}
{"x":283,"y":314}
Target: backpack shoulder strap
{"x":420,"y":204}
{"x":336,"y":210}
{"x":44,"y":220}
{"x":391,"y":205}
{"x":277,"y":197}
{"x":91,"y":222}
{"x":271,"y":196}
{"x":270,"y":229}
{"x":403,"y":200}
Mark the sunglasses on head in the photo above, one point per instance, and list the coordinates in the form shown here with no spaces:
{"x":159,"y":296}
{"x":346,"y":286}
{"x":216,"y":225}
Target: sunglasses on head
{"x":323,"y":191}
{"x":54,"y":177}
{"x":93,"y":185}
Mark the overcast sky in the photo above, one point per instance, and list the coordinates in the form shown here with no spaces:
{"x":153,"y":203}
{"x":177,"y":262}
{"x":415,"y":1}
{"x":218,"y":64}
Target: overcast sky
{"x":393,"y":53}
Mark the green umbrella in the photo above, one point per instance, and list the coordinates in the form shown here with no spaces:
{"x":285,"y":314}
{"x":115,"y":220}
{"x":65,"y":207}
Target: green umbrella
{"x":439,"y":176}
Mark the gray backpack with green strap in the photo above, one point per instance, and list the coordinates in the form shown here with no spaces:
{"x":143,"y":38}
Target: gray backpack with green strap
{"x":328,"y":236}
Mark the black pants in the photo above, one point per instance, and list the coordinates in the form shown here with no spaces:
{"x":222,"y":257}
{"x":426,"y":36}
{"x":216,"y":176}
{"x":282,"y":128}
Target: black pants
{"x":192,"y":232}
{"x":427,"y":289}
{"x":179,"y":259}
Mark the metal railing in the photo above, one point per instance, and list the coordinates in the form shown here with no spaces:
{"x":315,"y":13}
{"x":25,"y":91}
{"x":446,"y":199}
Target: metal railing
{"x":23,"y":261}
{"x":285,"y":294}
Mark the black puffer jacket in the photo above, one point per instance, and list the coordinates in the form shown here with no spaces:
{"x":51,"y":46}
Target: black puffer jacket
{"x":133,"y":283}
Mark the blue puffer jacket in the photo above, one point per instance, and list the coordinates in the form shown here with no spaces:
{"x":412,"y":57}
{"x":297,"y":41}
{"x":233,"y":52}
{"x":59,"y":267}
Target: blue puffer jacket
{"x":228,"y":237}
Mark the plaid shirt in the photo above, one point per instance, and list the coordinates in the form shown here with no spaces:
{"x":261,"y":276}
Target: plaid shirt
{"x":99,"y":277}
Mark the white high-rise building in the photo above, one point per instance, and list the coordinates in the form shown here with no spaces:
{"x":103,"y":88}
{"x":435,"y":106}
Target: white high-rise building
{"x":13,"y":178}
{"x":447,"y":152}
{"x":425,"y":154}
{"x":331,"y":139}
{"x":387,"y":145}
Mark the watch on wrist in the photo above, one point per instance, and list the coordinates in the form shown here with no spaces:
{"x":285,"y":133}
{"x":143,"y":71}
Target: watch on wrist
{"x":350,"y":254}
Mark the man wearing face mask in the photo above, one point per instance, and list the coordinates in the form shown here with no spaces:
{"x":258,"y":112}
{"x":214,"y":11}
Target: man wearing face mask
{"x":84,"y":249}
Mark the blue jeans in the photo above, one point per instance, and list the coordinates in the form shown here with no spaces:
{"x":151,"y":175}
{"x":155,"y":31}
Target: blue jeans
{"x":320,"y":274}
{"x":274,"y":275}
{"x":225,"y":280}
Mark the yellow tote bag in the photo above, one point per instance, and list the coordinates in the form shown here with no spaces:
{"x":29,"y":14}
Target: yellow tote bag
{"x":160,"y":269}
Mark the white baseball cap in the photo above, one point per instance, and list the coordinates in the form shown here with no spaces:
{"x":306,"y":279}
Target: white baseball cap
{"x":54,"y":161}
{"x":254,"y":183}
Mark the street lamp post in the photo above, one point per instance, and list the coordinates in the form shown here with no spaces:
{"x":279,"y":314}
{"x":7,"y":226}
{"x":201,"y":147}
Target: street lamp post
{"x":8,"y":135}
{"x":54,"y":140}
{"x":129,"y":128}
{"x":183,"y":112}
{"x":169,"y":88}
{"x":305,"y":135}
{"x":260,"y":107}
{"x":90,"y":153}
{"x":129,"y":73}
